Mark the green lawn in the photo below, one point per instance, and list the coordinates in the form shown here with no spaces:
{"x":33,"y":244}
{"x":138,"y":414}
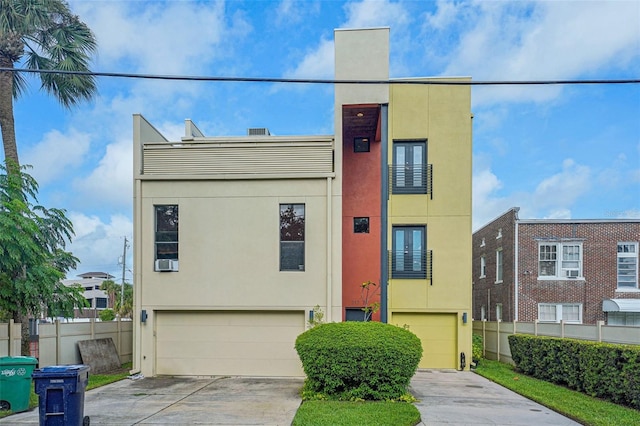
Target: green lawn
{"x":578,"y":406}
{"x":95,"y":380}
{"x":345,"y":413}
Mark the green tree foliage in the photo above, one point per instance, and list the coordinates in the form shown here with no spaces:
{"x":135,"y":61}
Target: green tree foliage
{"x":123,"y":306}
{"x":107,"y":315}
{"x":42,"y":35}
{"x":33,"y":261}
{"x":358,"y":360}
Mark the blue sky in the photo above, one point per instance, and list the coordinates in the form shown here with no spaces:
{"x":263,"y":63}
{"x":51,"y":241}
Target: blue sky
{"x":553,"y":151}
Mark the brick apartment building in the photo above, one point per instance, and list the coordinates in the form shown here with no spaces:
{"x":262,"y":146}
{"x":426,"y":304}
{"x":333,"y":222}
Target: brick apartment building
{"x":575,"y":270}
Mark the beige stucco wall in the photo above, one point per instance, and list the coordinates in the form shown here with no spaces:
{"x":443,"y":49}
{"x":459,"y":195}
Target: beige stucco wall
{"x":229,"y":250}
{"x":229,"y":241}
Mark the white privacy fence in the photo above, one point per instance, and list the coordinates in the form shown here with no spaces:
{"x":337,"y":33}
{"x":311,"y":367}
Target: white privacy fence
{"x":496,"y":344}
{"x":57,"y":342}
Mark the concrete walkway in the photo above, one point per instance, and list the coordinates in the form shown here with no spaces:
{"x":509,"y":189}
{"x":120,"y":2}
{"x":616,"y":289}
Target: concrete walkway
{"x":446,"y":397}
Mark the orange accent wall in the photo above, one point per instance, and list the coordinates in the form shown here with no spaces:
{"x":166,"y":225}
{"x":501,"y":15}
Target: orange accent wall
{"x":361,"y":187}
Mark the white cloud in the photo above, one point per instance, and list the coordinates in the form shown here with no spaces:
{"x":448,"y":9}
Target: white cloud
{"x":559,"y":214}
{"x":444,"y":16}
{"x":56,"y":153}
{"x":161,"y":37}
{"x":375,"y":13}
{"x":629,"y":214}
{"x":534,"y":41}
{"x":110,"y":183}
{"x":98,"y":244}
{"x":291,"y":12}
{"x":552,"y":198}
{"x":318,"y":63}
{"x":564,"y":188}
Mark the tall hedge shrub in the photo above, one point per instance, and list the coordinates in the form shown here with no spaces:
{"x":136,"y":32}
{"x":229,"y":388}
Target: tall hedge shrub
{"x":358,"y":360}
{"x":603,"y":370}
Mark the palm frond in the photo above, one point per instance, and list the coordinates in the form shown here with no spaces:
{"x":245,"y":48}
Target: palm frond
{"x":54,"y":39}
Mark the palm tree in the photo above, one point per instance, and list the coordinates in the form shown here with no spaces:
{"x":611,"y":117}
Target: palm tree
{"x":112,"y":289}
{"x":42,"y":35}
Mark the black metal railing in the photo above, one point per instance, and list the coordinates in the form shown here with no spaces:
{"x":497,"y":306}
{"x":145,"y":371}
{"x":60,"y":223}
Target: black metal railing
{"x":409,"y":179}
{"x":417,"y":264}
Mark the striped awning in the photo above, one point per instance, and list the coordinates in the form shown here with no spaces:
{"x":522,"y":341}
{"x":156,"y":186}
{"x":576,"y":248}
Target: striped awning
{"x":621,"y":305}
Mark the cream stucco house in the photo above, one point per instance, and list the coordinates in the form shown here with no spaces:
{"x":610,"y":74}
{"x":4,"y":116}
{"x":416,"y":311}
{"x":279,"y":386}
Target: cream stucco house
{"x":237,"y":239}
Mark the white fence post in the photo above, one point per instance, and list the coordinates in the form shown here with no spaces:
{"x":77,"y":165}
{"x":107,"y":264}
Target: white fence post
{"x":498,"y":338}
{"x":484,"y":338}
{"x":12,"y":340}
{"x":599,"y":329}
{"x":58,"y":342}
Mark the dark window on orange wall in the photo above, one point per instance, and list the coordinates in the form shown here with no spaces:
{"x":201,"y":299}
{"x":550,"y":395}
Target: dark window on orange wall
{"x":361,"y":145}
{"x":356,"y":314}
{"x":361,"y":225}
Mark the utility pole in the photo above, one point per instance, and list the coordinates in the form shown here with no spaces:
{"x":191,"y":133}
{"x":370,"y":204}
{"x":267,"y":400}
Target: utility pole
{"x":124,"y":268}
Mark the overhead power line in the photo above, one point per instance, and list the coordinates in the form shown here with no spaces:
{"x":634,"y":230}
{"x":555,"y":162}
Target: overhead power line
{"x":437,"y":81}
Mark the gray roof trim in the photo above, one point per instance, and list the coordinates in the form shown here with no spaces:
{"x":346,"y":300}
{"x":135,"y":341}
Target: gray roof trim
{"x":534,"y":221}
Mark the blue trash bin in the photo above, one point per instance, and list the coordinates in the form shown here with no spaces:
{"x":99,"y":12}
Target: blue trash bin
{"x":60,"y":390}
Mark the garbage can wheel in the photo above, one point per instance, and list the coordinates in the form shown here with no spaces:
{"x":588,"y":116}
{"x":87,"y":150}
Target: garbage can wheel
{"x":5,"y":406}
{"x":85,"y":421}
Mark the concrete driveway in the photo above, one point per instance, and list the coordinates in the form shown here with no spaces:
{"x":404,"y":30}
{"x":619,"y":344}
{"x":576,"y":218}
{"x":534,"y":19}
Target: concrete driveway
{"x":446,"y":397}
{"x":449,"y":397}
{"x":188,"y":401}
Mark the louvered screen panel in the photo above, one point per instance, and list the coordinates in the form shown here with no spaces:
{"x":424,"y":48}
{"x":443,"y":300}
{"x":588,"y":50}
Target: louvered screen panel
{"x":239,"y":159}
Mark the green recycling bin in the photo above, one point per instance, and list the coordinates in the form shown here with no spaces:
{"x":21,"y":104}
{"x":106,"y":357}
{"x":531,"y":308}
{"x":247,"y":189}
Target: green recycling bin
{"x":15,"y":382}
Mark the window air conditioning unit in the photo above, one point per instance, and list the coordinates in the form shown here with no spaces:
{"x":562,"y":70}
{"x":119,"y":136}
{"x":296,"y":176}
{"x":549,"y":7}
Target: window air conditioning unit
{"x":166,"y":265}
{"x":572,"y":273}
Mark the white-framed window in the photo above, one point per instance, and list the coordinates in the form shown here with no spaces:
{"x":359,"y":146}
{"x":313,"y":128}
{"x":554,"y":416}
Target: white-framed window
{"x":483,"y":266}
{"x":499,"y":311}
{"x":627,"y":265}
{"x":560,"y":260}
{"x":499,"y":265}
{"x":623,"y":318}
{"x":483,"y":313}
{"x":554,"y":312}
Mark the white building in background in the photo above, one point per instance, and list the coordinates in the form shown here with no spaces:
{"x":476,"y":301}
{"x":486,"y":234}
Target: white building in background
{"x":98,"y":299}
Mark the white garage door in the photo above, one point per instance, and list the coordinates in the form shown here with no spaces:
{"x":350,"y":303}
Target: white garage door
{"x":228,"y":343}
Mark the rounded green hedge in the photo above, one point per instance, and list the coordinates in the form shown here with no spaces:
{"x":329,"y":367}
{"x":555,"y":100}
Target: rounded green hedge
{"x":358,"y":360}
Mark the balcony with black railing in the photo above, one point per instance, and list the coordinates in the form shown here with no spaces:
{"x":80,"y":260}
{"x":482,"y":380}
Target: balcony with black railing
{"x":411,"y":179}
{"x":416,"y":264}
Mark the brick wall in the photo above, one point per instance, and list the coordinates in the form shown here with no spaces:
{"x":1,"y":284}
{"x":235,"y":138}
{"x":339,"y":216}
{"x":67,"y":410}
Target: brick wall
{"x":599,"y":268}
{"x":498,"y":234}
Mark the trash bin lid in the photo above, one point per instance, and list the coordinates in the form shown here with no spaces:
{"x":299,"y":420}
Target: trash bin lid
{"x":60,"y":370}
{"x":17,"y":360}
